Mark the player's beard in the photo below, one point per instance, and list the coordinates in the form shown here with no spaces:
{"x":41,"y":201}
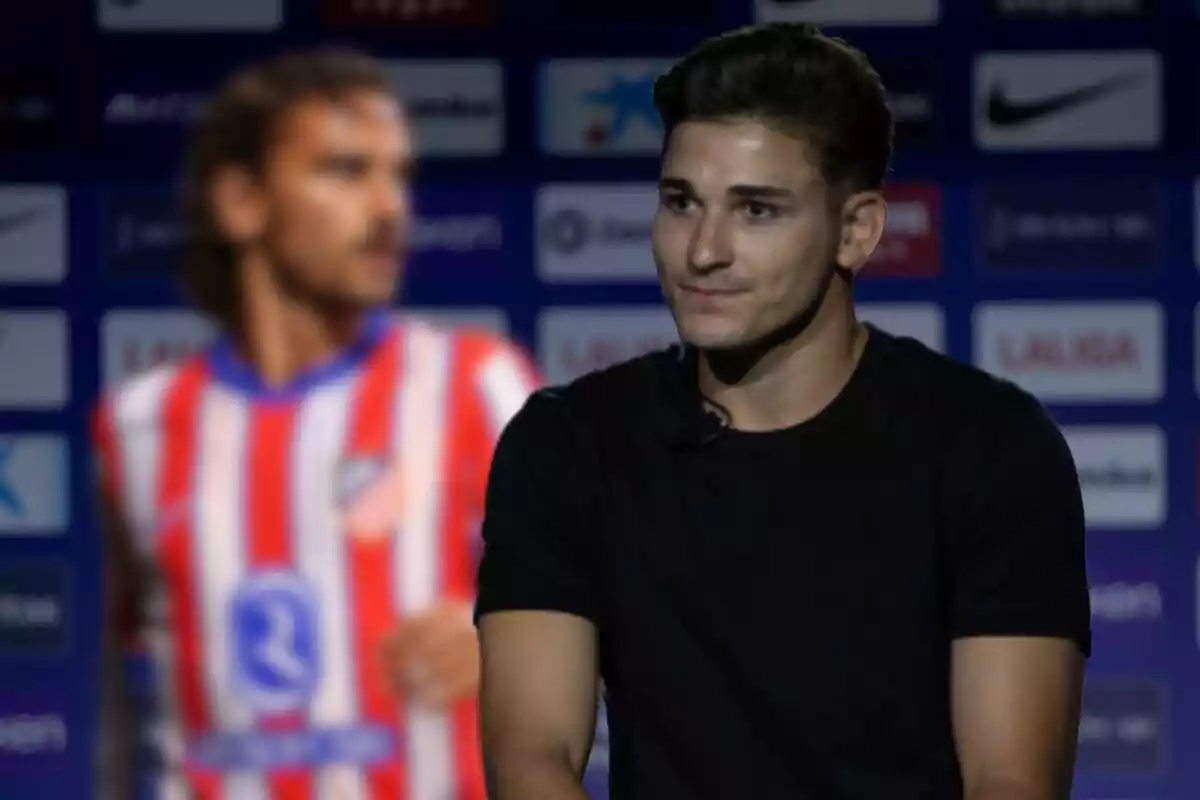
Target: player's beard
{"x":732,"y":363}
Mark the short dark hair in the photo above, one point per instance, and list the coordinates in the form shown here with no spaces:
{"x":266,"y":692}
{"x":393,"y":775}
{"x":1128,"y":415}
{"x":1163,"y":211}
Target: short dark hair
{"x":795,"y":78}
{"x":238,"y":128}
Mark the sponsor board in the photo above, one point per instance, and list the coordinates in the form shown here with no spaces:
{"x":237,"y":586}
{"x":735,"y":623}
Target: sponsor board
{"x":31,"y":111}
{"x":595,"y":232}
{"x":913,"y":95}
{"x":1072,"y":9}
{"x":600,"y":107}
{"x":402,"y":13}
{"x":1123,"y":727}
{"x":912,"y":238}
{"x":1074,"y":351}
{"x":35,"y":480}
{"x":33,"y":234}
{"x":456,"y":107}
{"x":34,"y":739}
{"x":1068,"y":101}
{"x":140,"y":230}
{"x":455,"y":234}
{"x":849,"y":12}
{"x":1196,"y":223}
{"x":1054,"y":226}
{"x":1127,"y":605}
{"x":575,"y":341}
{"x":1122,"y":474}
{"x":35,"y":609}
{"x":34,"y":360}
{"x":188,"y":15}
{"x":134,"y":341}
{"x":921,"y":321}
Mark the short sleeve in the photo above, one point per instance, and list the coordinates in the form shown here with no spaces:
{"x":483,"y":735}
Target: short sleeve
{"x":1015,"y":530}
{"x":537,"y":553}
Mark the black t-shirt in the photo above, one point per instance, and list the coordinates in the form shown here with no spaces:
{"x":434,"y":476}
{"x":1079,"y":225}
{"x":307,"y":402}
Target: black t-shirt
{"x":776,"y":609}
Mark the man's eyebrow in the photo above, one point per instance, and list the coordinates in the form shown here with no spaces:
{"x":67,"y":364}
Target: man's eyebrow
{"x":754,"y":192}
{"x":742,"y":191}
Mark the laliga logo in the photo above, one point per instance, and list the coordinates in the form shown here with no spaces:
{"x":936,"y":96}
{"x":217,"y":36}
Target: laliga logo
{"x":1084,"y":351}
{"x":138,"y":357}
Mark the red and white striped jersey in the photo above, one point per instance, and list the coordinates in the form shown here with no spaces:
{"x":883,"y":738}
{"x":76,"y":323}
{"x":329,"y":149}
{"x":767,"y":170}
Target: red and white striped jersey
{"x":285,"y":533}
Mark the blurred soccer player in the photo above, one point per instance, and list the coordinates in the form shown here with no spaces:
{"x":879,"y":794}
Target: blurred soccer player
{"x":291,"y":513}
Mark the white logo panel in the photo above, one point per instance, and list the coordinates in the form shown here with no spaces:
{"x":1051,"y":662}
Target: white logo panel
{"x":456,"y":107}
{"x":33,"y":234}
{"x":595,"y":232}
{"x":1122,"y":473}
{"x":575,"y":341}
{"x":135,"y":341}
{"x":919,"y":321}
{"x":849,"y":12}
{"x":1077,"y":352}
{"x":34,"y":360}
{"x":1068,"y":100}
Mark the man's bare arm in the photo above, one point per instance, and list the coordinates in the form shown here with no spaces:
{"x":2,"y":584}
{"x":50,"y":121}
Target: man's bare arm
{"x":1016,"y":703}
{"x":538,"y":703}
{"x":116,"y":740}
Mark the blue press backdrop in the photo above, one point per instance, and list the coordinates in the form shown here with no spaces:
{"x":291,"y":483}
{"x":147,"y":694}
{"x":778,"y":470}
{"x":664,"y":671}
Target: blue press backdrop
{"x":101,"y":114}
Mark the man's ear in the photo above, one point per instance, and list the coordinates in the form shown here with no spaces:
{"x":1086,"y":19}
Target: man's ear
{"x":238,"y":205}
{"x":862,"y":219}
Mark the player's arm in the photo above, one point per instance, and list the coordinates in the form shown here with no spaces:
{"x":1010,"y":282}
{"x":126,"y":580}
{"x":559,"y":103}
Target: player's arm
{"x":536,"y":607}
{"x":116,"y":739}
{"x":1020,"y":610}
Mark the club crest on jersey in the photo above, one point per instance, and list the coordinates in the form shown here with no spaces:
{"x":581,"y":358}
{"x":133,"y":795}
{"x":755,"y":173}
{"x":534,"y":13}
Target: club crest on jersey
{"x":369,"y":495}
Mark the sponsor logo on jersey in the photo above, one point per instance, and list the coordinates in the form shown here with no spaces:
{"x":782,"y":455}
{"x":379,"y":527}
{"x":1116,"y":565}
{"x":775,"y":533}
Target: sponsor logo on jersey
{"x":31,"y":111}
{"x":188,"y":15}
{"x":33,"y":234}
{"x":35,"y":609}
{"x":1077,"y":352}
{"x":593,"y":107}
{"x":912,"y":238}
{"x":276,"y":668}
{"x":921,"y":321}
{"x":35,"y":497}
{"x":1123,"y":727}
{"x":134,"y":341}
{"x":456,"y":107}
{"x":575,"y":341}
{"x":1053,"y":226}
{"x":595,"y":232}
{"x":1072,"y":9}
{"x":1122,"y":474}
{"x":402,"y":13}
{"x":1068,"y":101}
{"x":34,"y":360}
{"x":849,"y":12}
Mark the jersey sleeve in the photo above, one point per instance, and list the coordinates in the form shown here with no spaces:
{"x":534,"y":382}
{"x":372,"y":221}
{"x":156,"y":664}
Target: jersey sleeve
{"x":538,"y":552}
{"x":1016,"y":530}
{"x":501,"y":378}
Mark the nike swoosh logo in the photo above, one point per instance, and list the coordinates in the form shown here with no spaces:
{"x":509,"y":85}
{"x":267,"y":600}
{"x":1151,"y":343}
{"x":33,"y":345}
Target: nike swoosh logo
{"x":1004,"y":112}
{"x":16,"y":219}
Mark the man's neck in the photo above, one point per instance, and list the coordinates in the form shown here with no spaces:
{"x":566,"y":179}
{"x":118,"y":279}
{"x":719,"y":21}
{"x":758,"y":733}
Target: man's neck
{"x":283,"y":337}
{"x":792,"y":382}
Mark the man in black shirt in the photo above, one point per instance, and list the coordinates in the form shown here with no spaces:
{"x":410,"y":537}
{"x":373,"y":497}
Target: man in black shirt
{"x":809,"y":560}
